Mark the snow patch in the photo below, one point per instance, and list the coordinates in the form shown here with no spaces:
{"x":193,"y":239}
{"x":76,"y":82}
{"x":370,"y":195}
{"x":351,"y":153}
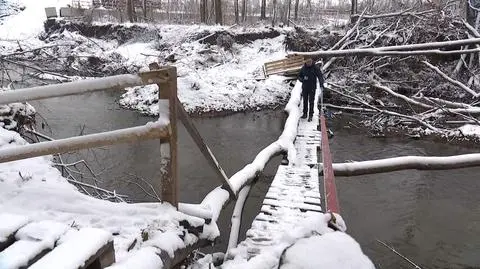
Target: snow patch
{"x":331,"y":250}
{"x":470,"y":130}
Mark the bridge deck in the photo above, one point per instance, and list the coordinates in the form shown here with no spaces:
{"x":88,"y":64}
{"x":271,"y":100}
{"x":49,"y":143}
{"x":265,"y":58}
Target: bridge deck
{"x":293,"y":196}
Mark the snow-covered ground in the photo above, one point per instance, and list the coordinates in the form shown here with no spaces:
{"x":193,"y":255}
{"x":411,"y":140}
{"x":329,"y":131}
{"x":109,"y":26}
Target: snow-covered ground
{"x":210,"y":78}
{"x":213,"y":80}
{"x":10,"y":114}
{"x":34,"y":189}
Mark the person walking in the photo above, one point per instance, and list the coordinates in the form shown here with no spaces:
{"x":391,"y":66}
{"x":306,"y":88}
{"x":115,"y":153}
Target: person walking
{"x":308,"y":76}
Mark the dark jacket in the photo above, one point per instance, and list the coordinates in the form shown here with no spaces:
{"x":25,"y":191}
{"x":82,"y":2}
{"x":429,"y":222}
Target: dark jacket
{"x":308,"y":76}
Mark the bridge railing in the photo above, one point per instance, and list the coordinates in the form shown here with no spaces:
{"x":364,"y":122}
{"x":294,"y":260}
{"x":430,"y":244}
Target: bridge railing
{"x":164,"y":129}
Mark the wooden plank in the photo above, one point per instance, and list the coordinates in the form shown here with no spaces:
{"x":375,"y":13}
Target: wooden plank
{"x":207,"y":153}
{"x":88,"y":248}
{"x":30,"y":251}
{"x":104,"y":257}
{"x":285,"y":66}
{"x":297,"y":69}
{"x":33,"y":241}
{"x":283,"y":62}
{"x":9,"y":225}
{"x":288,"y":58}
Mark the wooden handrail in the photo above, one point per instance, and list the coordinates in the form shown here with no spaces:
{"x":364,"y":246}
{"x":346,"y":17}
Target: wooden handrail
{"x":157,"y":130}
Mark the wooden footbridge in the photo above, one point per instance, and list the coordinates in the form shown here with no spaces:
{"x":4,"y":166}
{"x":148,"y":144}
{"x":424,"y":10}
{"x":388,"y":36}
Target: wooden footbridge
{"x":293,"y":197}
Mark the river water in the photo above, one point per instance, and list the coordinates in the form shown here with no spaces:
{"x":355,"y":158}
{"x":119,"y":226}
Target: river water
{"x":432,"y":217}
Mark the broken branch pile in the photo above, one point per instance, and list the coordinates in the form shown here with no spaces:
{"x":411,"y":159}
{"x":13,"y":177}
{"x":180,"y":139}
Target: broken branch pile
{"x":413,"y":70}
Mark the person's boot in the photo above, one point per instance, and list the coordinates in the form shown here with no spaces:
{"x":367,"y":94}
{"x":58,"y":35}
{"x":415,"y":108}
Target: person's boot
{"x":304,"y":116}
{"x":310,"y":118}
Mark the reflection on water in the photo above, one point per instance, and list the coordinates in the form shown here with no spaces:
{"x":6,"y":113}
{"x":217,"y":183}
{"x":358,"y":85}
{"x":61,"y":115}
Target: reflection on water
{"x":432,"y":217}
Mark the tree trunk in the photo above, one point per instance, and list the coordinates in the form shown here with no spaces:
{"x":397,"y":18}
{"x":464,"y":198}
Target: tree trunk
{"x":203,"y":11}
{"x":235,"y":3}
{"x":130,"y":11}
{"x":296,"y":9}
{"x":288,"y":14}
{"x":244,"y":10}
{"x":263,"y":10}
{"x":218,"y":12}
{"x":353,"y":11}
{"x":274,"y":13}
{"x":145,"y":10}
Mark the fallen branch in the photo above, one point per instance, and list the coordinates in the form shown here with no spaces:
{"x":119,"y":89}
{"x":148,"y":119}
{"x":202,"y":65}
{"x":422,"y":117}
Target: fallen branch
{"x":377,"y":85}
{"x":441,"y":102}
{"x":449,"y":79}
{"x":399,"y":254}
{"x":391,"y":113}
{"x":471,"y":29}
{"x":349,"y":32}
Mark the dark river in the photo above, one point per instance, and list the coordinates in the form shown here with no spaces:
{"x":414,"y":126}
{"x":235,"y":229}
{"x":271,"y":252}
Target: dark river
{"x":433,"y":218}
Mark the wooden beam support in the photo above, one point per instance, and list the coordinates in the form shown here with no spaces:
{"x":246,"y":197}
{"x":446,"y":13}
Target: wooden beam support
{"x":207,"y":153}
{"x":167,"y":90}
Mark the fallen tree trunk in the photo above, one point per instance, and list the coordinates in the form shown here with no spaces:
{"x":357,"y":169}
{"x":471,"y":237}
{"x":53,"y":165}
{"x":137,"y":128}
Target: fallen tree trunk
{"x":380,"y":52}
{"x":413,"y":49}
{"x":406,"y":163}
{"x":397,"y":14}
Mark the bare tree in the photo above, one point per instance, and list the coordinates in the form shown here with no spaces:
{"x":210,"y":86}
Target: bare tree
{"x":218,"y":11}
{"x":274,"y":12}
{"x":296,"y":9}
{"x":203,"y":11}
{"x":354,"y":7}
{"x":235,"y":3}
{"x":263,"y":10}
{"x":244,"y":10}
{"x":288,"y":12}
{"x":144,"y":7}
{"x":130,"y":10}
{"x":473,"y":6}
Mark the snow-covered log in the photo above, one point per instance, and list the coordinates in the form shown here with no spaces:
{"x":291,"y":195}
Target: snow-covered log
{"x":412,"y":49}
{"x":376,"y":52}
{"x":237,"y":217}
{"x":219,"y":197}
{"x":71,"y":88}
{"x":152,"y":130}
{"x":406,"y":163}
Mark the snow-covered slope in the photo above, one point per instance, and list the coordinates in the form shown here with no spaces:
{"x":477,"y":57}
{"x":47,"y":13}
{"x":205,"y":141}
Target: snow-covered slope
{"x":36,"y":190}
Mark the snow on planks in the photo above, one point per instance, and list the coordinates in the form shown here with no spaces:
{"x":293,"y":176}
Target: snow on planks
{"x":49,"y":244}
{"x":293,"y":196}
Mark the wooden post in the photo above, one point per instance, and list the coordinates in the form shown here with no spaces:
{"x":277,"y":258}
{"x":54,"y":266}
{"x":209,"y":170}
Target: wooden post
{"x":168,"y":91}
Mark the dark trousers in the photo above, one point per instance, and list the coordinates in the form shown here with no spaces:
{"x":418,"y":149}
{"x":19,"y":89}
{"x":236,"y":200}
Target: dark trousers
{"x":308,"y":101}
